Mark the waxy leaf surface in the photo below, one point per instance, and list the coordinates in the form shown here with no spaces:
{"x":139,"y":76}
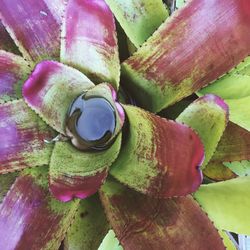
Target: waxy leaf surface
{"x":144,"y":223}
{"x":227,"y":204}
{"x":138,"y":18}
{"x":173,"y":63}
{"x":50,"y":90}
{"x":30,"y":218}
{"x":89,"y":40}
{"x":22,"y":138}
{"x":14,"y":71}
{"x":208,"y":116}
{"x":33,"y":27}
{"x":89,"y":227}
{"x":158,"y":157}
{"x":79,"y":174}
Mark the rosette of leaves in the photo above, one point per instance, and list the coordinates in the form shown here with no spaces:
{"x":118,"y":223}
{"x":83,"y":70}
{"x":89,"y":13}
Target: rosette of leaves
{"x":60,"y":78}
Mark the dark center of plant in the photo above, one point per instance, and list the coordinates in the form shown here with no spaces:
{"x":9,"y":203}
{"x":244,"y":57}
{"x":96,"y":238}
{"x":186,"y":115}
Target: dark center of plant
{"x":91,"y":122}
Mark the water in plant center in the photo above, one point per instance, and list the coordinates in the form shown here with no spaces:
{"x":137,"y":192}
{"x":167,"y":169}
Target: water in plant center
{"x":93,"y":119}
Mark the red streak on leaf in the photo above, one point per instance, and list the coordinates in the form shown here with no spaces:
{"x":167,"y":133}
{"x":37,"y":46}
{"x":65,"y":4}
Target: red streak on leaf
{"x":178,"y":159}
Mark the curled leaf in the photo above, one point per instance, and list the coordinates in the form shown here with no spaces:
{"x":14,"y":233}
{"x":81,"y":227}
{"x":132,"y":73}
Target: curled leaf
{"x":160,"y":158}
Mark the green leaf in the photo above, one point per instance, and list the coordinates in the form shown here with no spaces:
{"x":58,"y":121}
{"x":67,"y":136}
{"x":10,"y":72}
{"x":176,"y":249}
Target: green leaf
{"x":241,"y":168}
{"x":230,"y":86}
{"x":138,"y":18}
{"x":180,"y":3}
{"x":239,"y":111}
{"x":228,"y":240}
{"x":110,"y":242}
{"x":227,"y":204}
{"x":89,"y":227}
{"x":158,"y":157}
{"x":142,"y":222}
{"x":208,"y":116}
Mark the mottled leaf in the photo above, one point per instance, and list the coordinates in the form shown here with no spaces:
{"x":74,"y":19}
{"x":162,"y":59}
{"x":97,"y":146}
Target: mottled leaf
{"x":30,"y":218}
{"x":33,"y":27}
{"x":13,"y":71}
{"x":6,"y":43}
{"x":50,"y":90}
{"x":110,"y":242}
{"x":6,"y":180}
{"x":89,"y":40}
{"x":234,"y":144}
{"x":22,"y":138}
{"x":160,"y":158}
{"x":208,"y":116}
{"x":144,"y":223}
{"x":173,"y":63}
{"x":138,"y":18}
{"x":218,"y":172}
{"x":241,"y":168}
{"x":227,"y":204}
{"x":82,"y":173}
{"x":89,"y":227}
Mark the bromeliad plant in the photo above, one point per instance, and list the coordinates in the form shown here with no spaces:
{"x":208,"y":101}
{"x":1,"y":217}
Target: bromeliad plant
{"x":64,"y":126}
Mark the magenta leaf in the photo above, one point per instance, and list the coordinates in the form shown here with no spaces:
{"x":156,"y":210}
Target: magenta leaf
{"x":89,"y":40}
{"x":22,"y":138}
{"x":141,"y":222}
{"x":30,"y":218}
{"x":13,"y":71}
{"x":50,"y":90}
{"x":33,"y":27}
{"x":158,"y":157}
